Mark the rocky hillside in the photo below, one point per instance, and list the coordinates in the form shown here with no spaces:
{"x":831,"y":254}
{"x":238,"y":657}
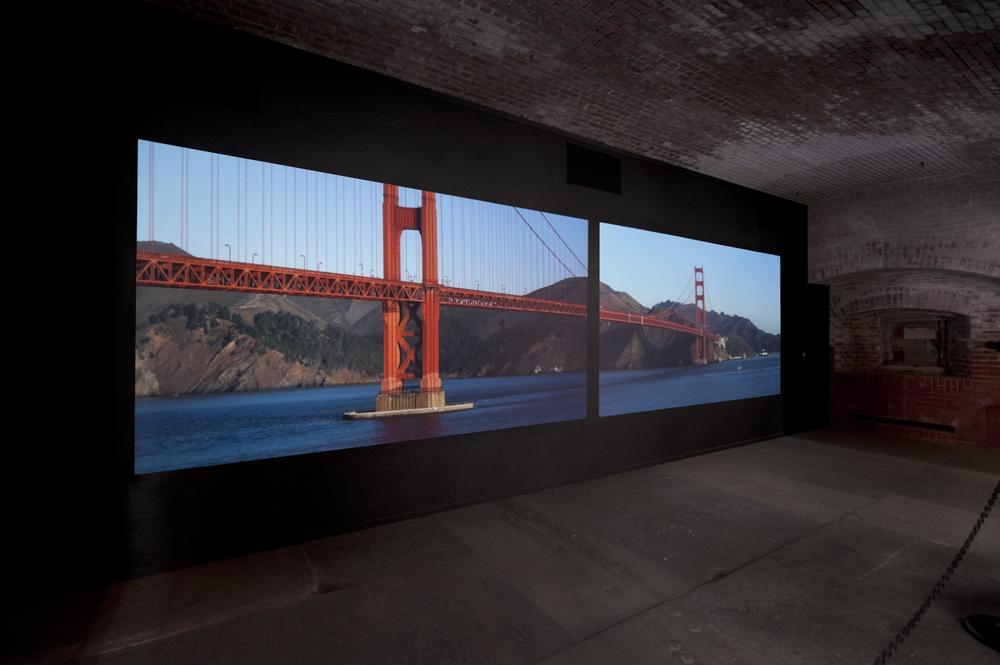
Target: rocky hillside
{"x":206,"y":347}
{"x":191,"y":341}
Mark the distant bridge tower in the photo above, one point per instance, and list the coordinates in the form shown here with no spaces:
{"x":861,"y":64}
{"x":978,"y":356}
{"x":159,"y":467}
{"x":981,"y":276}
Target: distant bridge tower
{"x":410,"y":344}
{"x":700,"y":317}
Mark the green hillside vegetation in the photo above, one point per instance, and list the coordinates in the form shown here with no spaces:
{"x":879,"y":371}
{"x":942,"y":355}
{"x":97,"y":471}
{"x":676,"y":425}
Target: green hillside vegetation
{"x":297,"y":339}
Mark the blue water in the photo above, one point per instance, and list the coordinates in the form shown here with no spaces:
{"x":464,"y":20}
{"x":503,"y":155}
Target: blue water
{"x":630,"y":391}
{"x":184,"y":432}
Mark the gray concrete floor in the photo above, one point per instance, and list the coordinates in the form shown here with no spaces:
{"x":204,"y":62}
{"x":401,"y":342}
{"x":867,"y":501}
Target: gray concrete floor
{"x":810,"y":549}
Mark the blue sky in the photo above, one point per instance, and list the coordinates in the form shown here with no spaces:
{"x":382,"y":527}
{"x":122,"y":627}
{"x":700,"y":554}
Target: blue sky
{"x":653,"y":267}
{"x":284,"y":216}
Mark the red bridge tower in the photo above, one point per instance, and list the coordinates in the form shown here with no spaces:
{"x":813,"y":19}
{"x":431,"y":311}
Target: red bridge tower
{"x":410,"y":329}
{"x":700,"y":317}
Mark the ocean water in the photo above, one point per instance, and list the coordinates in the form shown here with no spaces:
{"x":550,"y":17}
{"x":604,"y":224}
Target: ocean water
{"x":201,"y":430}
{"x":184,"y":432}
{"x":631,"y":391}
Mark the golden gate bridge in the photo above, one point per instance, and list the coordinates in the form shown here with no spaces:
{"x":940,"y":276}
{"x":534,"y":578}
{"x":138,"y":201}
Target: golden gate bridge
{"x":410,"y":307}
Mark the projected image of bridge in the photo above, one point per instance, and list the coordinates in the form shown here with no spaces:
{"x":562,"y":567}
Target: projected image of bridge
{"x":737,"y":322}
{"x":368,"y":298}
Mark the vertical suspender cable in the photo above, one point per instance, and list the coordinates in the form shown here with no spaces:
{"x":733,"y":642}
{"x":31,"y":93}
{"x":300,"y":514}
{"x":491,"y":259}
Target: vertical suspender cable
{"x":211,"y":206}
{"x":503,"y":249}
{"x":371,"y":226}
{"x":183,"y":197}
{"x":326,"y":221}
{"x":318,"y":254}
{"x":295,"y":216}
{"x":239,"y":203}
{"x":152,"y":185}
{"x":451,"y":214}
{"x":218,"y":206}
{"x":491,"y":246}
{"x":263,"y":205}
{"x":215,"y":207}
{"x":463,"y":249}
{"x":565,"y":244}
{"x":285,"y":191}
{"x":473,"y":228}
{"x":359,"y":259}
{"x":270,"y":213}
{"x":342,"y":225}
{"x":246,"y":211}
{"x":306,"y":259}
{"x":180,"y":242}
{"x":316,"y":197}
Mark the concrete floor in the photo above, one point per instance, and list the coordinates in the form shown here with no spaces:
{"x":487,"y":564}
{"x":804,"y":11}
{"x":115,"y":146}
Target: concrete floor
{"x":796,"y":550}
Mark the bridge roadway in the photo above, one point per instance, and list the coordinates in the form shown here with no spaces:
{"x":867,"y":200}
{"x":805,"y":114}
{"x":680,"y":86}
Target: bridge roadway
{"x":176,"y":271}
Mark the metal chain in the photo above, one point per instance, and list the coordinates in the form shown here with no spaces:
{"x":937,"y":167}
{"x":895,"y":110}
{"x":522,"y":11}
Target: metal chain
{"x":939,"y":587}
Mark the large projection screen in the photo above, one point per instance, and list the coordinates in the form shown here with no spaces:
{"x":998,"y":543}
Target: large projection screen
{"x":685,"y":322}
{"x":264,"y":294}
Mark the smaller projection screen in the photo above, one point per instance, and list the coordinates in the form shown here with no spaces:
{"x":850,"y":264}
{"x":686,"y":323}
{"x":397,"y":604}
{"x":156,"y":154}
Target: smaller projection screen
{"x":281,"y":311}
{"x":685,"y":322}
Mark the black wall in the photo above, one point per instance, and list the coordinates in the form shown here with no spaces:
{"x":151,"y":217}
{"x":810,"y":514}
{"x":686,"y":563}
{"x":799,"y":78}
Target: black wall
{"x":211,"y":89}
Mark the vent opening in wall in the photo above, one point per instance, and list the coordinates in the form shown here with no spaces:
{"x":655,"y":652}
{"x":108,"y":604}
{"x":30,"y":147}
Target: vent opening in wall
{"x":594,"y":169}
{"x":925,"y":342}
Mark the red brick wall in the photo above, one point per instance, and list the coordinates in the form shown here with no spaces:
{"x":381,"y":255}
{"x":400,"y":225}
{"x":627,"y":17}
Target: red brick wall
{"x":949,"y":401}
{"x":929,"y":245}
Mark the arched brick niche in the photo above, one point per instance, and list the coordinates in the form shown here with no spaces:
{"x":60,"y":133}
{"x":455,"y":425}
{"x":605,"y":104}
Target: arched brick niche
{"x":928,"y":223}
{"x":904,"y":260}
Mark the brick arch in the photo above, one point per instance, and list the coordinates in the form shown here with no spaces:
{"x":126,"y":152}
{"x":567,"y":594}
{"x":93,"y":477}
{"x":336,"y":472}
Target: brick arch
{"x":934,"y":223}
{"x":959,"y":293}
{"x":965,"y":400}
{"x":970,"y":255}
{"x":924,"y":245}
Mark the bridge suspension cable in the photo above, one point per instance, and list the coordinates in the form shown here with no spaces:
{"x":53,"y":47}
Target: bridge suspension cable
{"x":544,"y":243}
{"x":563,"y":240}
{"x":686,"y":292}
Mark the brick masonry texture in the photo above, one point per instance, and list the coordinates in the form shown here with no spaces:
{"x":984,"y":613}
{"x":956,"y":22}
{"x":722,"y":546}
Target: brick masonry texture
{"x":807,"y":100}
{"x":924,"y":245}
{"x":943,"y":223}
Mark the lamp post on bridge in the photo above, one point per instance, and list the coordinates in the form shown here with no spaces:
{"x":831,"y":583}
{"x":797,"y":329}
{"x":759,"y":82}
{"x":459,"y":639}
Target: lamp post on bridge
{"x":230,"y":251}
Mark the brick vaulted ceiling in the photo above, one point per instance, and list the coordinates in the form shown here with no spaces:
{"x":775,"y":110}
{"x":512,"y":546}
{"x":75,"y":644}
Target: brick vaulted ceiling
{"x":804,"y":99}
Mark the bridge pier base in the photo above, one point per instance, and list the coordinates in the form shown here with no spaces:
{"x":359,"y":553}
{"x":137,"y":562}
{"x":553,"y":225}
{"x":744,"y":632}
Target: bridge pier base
{"x":406,"y":400}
